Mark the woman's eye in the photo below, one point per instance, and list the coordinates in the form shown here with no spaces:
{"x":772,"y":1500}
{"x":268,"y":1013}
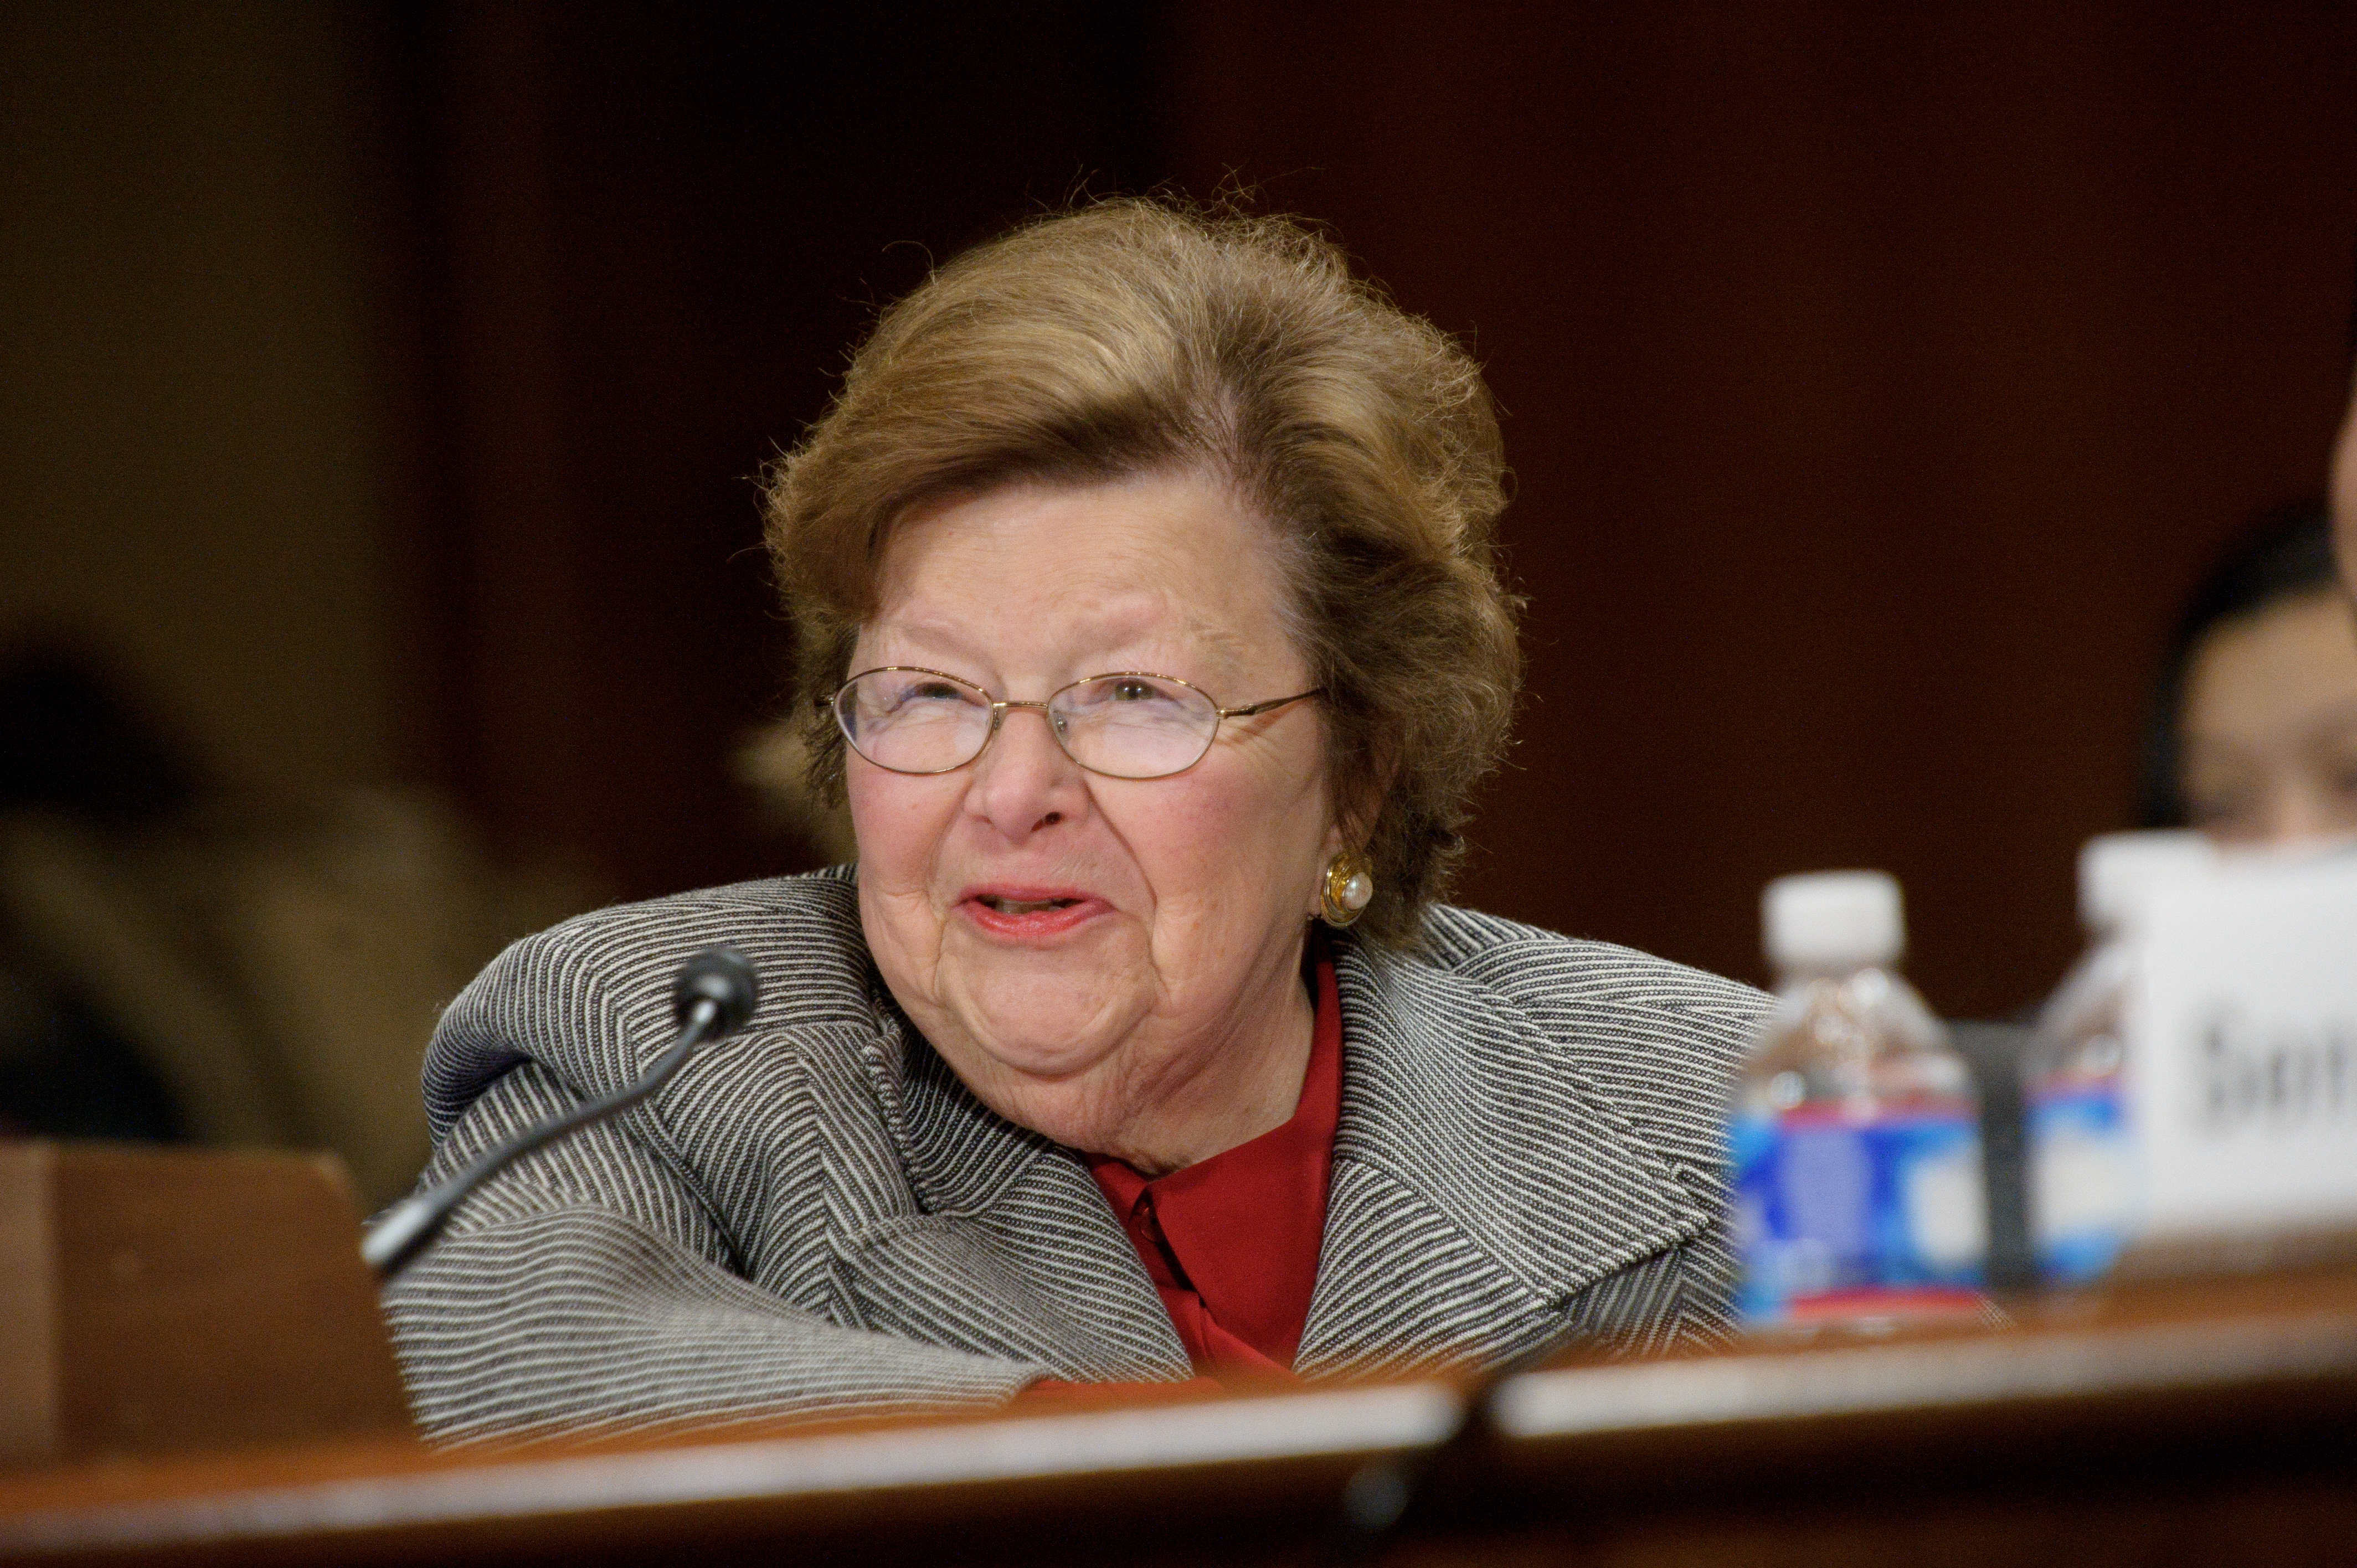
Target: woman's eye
{"x":927,"y":693}
{"x":1133,"y":692}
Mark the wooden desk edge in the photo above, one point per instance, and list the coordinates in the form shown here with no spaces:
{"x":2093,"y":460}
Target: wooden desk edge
{"x":2183,"y":1341}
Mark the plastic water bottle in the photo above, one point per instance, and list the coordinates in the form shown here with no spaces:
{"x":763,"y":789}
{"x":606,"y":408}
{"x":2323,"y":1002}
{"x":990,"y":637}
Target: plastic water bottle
{"x":1855,"y":1137}
{"x":2083,"y":1172}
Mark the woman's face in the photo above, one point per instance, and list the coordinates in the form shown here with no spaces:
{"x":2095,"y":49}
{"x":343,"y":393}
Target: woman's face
{"x":2270,"y":725}
{"x":1088,"y":951}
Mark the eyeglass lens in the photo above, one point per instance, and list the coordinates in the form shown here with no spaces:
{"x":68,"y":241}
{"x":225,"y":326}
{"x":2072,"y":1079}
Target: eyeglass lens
{"x":1131,"y":726}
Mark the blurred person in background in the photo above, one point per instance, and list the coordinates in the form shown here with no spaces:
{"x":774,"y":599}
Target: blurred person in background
{"x":2254,"y":734}
{"x":2343,"y":480}
{"x":1144,"y":577}
{"x":2344,"y":495}
{"x":186,"y":960}
{"x":74,"y":755}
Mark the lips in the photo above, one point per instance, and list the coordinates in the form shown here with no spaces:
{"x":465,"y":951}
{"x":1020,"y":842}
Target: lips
{"x":1022,"y":906}
{"x":1028,"y":913}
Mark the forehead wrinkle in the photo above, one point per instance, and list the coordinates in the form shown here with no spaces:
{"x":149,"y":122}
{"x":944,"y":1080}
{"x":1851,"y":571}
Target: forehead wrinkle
{"x":1114,"y":628}
{"x":1108,"y":612}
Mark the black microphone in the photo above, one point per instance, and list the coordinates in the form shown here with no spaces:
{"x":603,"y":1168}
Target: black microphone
{"x":713,"y":997}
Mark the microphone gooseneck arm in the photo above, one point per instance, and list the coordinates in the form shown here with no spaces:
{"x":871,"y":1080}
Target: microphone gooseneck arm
{"x":715,"y":996}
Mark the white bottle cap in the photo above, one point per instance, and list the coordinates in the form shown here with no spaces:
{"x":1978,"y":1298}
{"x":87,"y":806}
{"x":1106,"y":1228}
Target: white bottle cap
{"x":1834,"y":920}
{"x":2119,"y":870}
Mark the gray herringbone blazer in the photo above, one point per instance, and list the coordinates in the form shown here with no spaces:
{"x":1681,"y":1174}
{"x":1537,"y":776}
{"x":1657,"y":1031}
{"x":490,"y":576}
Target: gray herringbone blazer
{"x":815,"y":1217}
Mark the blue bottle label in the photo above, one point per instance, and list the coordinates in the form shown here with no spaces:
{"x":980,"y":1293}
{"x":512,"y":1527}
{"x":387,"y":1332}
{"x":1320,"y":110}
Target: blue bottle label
{"x":1839,"y":1217}
{"x":2082,"y":1178}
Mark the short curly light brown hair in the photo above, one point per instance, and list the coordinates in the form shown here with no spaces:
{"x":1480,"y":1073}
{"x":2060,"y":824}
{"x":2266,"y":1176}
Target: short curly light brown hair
{"x":1134,"y":336}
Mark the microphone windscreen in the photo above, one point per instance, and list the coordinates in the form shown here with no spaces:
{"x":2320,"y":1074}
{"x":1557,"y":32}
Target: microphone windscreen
{"x":723,"y":977}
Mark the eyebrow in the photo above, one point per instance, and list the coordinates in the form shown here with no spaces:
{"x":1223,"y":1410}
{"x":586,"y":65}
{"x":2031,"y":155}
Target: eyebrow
{"x":1226,"y":647}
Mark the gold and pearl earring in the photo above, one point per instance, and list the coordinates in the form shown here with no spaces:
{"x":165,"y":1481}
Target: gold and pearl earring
{"x":1347,"y":888}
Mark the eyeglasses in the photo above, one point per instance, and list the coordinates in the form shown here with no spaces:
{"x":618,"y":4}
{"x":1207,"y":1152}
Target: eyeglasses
{"x":1128,"y":725}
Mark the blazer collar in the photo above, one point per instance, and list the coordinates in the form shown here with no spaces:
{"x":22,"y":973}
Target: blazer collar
{"x":1043,"y":1272}
{"x":961,"y":1155}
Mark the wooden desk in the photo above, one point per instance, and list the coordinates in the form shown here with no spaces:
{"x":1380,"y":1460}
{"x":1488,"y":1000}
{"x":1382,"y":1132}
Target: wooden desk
{"x":2188,"y":1423}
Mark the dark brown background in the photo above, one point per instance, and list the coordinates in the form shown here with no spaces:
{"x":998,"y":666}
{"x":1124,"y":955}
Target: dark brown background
{"x":1876,"y":385}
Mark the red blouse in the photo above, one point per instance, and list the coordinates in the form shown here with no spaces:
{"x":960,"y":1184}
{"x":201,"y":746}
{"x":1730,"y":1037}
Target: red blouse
{"x":1232,"y":1242}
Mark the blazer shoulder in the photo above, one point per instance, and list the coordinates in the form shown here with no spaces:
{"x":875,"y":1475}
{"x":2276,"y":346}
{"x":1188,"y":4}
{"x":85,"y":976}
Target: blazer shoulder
{"x":590,"y":997}
{"x":1549,"y":976}
{"x":809,"y":923}
{"x":818,"y":909}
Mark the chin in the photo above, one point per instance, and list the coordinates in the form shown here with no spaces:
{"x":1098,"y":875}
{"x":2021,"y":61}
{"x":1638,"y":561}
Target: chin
{"x":1046,"y":1026}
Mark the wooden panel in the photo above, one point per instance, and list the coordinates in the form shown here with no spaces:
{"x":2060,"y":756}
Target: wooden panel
{"x":27,"y":1329}
{"x":196,"y":1300}
{"x":1878,"y":380}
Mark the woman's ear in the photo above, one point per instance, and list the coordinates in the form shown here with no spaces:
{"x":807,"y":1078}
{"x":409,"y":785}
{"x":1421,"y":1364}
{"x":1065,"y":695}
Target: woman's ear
{"x":1355,"y":815}
{"x":1339,"y":838}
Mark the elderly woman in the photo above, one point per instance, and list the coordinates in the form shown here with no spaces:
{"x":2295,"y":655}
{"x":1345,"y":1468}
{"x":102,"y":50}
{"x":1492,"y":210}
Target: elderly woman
{"x":1143,"y":576}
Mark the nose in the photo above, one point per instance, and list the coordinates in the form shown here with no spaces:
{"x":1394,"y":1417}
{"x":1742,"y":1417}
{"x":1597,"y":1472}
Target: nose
{"x":1023,"y":782}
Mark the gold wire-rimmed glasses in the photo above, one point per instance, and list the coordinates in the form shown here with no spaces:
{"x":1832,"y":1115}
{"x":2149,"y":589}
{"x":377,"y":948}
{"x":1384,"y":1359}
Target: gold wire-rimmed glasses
{"x":1127,"y":724}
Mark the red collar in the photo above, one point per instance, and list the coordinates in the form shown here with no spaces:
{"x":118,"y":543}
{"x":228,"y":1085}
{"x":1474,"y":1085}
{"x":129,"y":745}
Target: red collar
{"x":1232,"y":1242}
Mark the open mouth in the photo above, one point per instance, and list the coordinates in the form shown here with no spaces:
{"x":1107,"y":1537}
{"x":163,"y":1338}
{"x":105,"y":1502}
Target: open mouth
{"x":1022,"y":906}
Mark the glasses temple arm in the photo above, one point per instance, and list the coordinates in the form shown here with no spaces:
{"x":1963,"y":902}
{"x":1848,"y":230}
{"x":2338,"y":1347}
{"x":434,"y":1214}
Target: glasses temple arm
{"x":1272,"y":702}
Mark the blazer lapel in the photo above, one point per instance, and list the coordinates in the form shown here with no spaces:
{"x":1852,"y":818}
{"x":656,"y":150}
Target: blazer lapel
{"x":1008,"y":1249}
{"x":1486,"y":1200}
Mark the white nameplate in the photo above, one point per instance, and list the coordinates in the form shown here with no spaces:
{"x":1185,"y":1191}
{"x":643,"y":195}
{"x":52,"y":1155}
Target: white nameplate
{"x":2243,"y":1036}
